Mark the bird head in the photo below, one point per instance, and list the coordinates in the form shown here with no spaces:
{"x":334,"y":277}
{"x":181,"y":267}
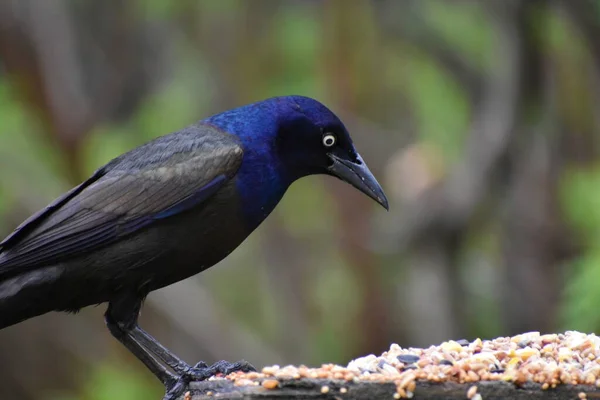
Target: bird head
{"x":311,"y":139}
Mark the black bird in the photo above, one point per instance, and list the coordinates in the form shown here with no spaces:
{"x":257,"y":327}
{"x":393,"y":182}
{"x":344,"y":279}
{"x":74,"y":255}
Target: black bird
{"x":168,"y":210}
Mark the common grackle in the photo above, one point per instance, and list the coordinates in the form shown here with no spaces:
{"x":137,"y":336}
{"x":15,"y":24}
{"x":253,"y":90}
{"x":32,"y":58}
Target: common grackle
{"x":168,"y":210}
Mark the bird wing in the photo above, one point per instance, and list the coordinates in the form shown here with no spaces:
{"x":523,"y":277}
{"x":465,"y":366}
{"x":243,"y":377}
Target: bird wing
{"x":153,"y":182}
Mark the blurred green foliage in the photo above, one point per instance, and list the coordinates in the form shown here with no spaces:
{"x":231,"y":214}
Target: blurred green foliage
{"x":286,"y":51}
{"x":106,"y":382}
{"x":580,"y":197}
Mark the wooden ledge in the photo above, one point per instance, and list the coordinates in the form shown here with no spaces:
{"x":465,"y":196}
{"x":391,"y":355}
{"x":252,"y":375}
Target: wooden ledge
{"x":335,"y":389}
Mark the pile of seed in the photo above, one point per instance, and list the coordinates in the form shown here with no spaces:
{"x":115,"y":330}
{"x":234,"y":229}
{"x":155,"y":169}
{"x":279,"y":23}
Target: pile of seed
{"x":549,"y":360}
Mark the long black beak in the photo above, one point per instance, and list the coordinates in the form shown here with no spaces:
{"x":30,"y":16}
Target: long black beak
{"x":358,"y":175}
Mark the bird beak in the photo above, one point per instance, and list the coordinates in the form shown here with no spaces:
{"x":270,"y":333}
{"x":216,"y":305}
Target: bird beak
{"x":358,"y":175}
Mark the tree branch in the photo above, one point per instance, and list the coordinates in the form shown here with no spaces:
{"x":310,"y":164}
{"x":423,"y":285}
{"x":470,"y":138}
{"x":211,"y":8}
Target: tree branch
{"x":451,"y":205}
{"x":414,"y":29}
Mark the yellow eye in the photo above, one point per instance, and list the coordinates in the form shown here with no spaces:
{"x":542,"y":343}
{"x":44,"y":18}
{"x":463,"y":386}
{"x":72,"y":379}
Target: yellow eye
{"x":328,"y":140}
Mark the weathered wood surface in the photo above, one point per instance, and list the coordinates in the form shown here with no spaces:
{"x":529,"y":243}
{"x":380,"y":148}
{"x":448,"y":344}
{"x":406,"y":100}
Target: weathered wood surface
{"x":312,"y":389}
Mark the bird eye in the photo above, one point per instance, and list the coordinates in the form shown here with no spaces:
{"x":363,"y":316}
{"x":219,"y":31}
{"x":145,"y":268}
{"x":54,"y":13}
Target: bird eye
{"x":328,"y":140}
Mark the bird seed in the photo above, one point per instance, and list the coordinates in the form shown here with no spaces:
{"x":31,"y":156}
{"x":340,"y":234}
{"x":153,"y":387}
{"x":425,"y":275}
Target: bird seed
{"x":572,"y":358}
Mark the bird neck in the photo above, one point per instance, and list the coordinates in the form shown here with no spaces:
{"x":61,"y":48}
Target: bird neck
{"x":261,"y":182}
{"x":263,"y":177}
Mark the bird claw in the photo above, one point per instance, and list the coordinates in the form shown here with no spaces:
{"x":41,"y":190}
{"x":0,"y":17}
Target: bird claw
{"x":201,"y":371}
{"x":175,"y":389}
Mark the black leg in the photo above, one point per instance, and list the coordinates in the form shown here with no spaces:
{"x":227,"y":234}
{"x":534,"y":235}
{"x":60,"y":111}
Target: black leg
{"x":159,"y":351}
{"x":121,"y":319}
{"x":199,"y":372}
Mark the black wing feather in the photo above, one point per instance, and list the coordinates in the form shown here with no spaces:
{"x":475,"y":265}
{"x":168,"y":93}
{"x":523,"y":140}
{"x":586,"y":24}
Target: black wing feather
{"x":31,"y":222}
{"x":119,"y":199}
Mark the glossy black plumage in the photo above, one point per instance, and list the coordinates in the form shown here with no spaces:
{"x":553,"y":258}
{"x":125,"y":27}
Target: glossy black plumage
{"x":167,"y":210}
{"x":136,"y":190}
{"x":128,"y":193}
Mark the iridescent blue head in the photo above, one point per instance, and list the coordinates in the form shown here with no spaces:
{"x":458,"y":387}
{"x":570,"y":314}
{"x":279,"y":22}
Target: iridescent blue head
{"x":286,"y":138}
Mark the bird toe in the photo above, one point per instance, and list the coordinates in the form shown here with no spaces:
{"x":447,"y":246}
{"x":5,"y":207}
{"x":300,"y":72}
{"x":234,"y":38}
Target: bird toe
{"x":227,"y":368}
{"x":176,"y":389}
{"x":201,"y":371}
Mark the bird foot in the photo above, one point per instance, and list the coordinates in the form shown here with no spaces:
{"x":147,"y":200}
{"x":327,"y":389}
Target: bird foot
{"x":176,"y":389}
{"x":201,"y":372}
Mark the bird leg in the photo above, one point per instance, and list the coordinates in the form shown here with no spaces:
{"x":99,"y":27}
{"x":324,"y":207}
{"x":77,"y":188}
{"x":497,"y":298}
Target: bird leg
{"x":121,"y":319}
{"x":199,"y":372}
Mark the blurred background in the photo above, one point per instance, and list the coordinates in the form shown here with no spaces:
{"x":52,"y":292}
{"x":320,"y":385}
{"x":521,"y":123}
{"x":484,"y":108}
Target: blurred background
{"x":481,"y":119}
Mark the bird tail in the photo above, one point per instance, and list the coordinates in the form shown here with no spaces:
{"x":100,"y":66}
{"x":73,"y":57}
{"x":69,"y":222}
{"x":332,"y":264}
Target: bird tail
{"x":26,"y":295}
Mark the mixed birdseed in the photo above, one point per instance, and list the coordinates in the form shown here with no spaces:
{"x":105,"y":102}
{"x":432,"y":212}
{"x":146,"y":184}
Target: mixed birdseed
{"x":549,"y":360}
